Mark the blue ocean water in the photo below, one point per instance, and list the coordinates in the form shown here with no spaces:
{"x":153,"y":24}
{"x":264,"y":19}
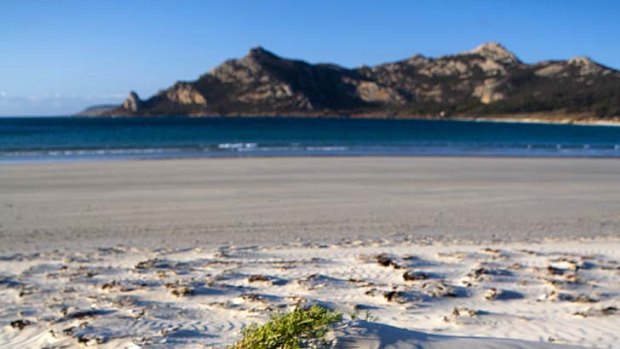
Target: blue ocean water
{"x":72,"y":138}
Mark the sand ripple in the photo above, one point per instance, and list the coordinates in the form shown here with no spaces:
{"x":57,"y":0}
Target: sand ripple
{"x":175,"y":298}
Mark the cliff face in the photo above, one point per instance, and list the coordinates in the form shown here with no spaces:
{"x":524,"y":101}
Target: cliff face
{"x":488,"y":80}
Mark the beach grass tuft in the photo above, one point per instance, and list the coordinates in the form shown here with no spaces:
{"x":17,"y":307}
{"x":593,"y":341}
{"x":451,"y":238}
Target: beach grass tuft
{"x":300,"y":328}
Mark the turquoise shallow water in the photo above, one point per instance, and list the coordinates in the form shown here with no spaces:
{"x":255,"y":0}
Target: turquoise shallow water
{"x":71,"y":138}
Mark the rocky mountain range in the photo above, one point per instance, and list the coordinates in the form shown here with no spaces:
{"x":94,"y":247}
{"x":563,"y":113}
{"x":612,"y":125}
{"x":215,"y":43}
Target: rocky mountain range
{"x":488,"y":81}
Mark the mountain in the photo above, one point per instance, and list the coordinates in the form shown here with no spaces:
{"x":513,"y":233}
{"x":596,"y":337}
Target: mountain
{"x":97,"y":110}
{"x":488,"y":81}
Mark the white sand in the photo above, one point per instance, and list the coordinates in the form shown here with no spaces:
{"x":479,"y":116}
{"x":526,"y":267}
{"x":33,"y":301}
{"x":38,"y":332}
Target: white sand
{"x":73,"y":236}
{"x":133,"y":304}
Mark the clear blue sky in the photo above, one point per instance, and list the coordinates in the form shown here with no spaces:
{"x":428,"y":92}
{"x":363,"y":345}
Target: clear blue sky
{"x":58,"y":56}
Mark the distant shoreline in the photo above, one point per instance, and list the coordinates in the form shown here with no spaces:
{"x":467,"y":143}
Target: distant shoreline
{"x":512,"y":120}
{"x":534,"y":118}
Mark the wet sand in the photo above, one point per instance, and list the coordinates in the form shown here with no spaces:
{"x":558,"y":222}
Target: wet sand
{"x":273,"y":200}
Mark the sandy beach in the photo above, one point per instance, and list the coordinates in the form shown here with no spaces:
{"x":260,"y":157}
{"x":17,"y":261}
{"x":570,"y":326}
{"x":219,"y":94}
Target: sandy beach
{"x":439,"y":252}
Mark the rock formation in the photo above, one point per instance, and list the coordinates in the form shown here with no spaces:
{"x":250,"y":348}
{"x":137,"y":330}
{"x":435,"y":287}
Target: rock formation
{"x":132,"y":103}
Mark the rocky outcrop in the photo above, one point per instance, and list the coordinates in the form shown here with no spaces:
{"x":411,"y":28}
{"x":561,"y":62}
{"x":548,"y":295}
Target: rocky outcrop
{"x":587,"y":66}
{"x":132,"y":103}
{"x":488,"y":91}
{"x":495,"y":52}
{"x":488,"y":80}
{"x":370,"y":91}
{"x":184,"y":93}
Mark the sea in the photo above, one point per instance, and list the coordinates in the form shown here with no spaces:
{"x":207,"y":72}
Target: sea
{"x":45,"y":139}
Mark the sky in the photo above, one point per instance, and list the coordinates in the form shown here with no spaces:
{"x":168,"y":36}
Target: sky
{"x":60,"y":56}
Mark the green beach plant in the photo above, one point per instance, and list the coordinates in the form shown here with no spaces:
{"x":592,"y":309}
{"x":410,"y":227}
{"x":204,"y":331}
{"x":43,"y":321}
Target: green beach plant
{"x":301,"y":328}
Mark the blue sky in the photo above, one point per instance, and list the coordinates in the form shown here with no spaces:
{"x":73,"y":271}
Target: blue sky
{"x":58,"y":56}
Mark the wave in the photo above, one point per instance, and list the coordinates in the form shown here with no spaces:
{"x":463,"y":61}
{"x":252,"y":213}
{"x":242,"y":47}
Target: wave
{"x":86,"y":152}
{"x":240,"y":149}
{"x":237,"y":145}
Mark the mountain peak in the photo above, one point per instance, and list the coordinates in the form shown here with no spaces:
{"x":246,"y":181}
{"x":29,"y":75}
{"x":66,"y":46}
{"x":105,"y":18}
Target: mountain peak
{"x":587,"y":66}
{"x":261,"y":52}
{"x":581,"y":60}
{"x":495,"y":51}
